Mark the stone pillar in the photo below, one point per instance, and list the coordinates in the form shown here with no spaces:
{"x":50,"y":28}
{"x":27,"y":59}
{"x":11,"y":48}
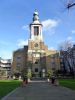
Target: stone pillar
{"x":43,"y":73}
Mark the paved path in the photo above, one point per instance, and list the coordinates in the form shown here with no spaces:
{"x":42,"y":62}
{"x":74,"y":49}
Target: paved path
{"x":41,"y":91}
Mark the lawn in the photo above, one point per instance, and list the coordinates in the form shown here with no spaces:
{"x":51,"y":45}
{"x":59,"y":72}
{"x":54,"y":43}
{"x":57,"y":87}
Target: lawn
{"x":69,"y":83}
{"x":7,"y":86}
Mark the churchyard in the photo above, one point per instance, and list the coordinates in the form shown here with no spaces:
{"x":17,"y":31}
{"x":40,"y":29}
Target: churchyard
{"x":6,"y":86}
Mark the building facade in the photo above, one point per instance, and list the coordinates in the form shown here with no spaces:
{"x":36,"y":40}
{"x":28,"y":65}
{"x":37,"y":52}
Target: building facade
{"x":5,"y":68}
{"x":36,"y":57}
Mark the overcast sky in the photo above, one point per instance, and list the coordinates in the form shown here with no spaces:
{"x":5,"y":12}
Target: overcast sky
{"x":16,"y":15}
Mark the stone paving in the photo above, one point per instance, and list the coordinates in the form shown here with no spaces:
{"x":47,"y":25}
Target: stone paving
{"x":41,"y":91}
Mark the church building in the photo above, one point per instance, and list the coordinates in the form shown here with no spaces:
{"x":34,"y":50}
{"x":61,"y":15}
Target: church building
{"x":35,"y":57}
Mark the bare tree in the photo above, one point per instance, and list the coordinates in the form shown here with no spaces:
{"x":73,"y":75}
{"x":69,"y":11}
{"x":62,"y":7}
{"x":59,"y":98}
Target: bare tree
{"x":67,"y":50}
{"x":65,"y":45}
{"x":68,"y":4}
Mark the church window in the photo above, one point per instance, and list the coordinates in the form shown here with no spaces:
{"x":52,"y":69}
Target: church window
{"x":36,"y":62}
{"x":18,"y":58}
{"x":36,"y":30}
{"x":36,"y":69}
{"x":18,"y":64}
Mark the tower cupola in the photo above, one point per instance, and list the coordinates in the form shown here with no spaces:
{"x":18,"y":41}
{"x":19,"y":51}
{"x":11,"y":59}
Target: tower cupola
{"x":35,"y":16}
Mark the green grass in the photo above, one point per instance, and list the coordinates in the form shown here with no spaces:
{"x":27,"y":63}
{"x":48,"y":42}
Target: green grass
{"x":69,"y":83}
{"x":7,"y":86}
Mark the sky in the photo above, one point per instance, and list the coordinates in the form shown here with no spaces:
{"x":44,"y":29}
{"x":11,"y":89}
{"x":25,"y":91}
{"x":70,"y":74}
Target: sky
{"x":16,"y":15}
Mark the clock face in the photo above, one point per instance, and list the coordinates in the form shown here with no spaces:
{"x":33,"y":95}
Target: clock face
{"x":36,"y":45}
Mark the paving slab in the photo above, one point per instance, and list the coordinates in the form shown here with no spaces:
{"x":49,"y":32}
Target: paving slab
{"x":41,"y":91}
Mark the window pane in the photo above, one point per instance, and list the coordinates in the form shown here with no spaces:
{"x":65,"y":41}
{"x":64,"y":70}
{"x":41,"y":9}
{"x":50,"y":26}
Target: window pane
{"x":36,"y":69}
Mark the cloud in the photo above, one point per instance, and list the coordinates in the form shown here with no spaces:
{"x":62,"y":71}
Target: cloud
{"x":70,"y":38}
{"x":49,"y":26}
{"x":73,"y":31}
{"x":25,"y":27}
{"x":49,"y":23}
{"x":22,"y":42}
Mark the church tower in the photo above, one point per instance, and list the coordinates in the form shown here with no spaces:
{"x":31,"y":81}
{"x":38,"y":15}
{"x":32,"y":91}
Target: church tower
{"x":36,"y":47}
{"x":36,"y":28}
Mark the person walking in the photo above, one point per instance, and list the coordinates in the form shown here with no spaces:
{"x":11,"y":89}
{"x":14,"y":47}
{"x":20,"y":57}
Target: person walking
{"x":53,"y":79}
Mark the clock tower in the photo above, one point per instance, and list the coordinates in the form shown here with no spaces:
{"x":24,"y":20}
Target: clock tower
{"x":36,"y":47}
